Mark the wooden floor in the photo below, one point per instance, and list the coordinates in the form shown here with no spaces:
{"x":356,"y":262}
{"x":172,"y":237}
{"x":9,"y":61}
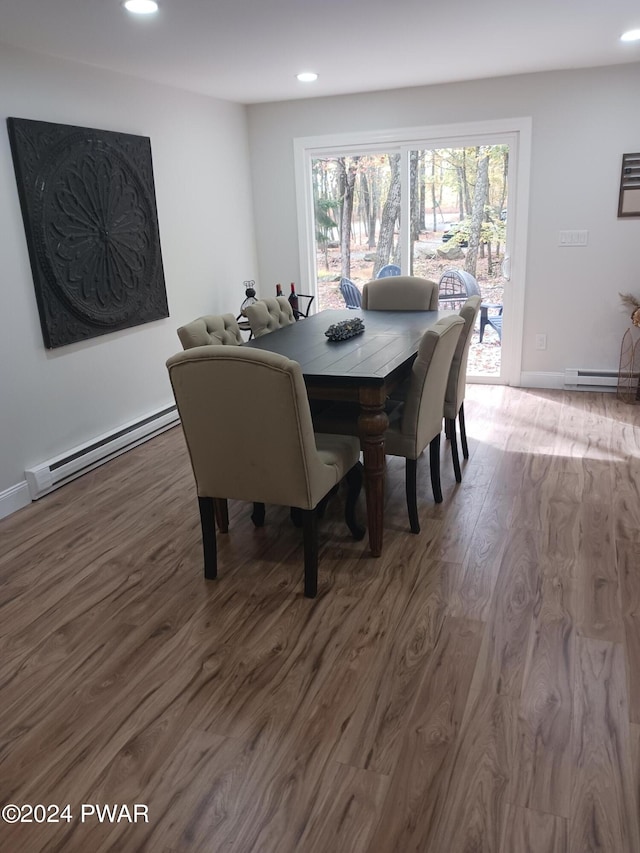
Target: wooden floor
{"x":477,"y":688}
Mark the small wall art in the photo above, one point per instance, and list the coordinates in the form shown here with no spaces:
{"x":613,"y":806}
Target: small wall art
{"x":89,"y":210}
{"x":629,"y":201}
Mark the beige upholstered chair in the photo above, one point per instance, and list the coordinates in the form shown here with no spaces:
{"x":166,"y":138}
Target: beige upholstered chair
{"x":269,"y":314}
{"x":281,"y":462}
{"x":400,"y":293}
{"x":417,"y":421}
{"x":211,"y":329}
{"x":454,"y":396}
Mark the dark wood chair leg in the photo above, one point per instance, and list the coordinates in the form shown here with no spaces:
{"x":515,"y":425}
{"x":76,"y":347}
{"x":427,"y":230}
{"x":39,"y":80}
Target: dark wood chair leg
{"x":221,"y":512}
{"x":257,"y":516}
{"x":310,"y":534}
{"x":410,"y":487}
{"x":454,"y":450}
{"x":354,"y":482}
{"x":208,"y":537}
{"x":295,"y":514}
{"x":463,"y":432}
{"x":434,"y":462}
{"x":447,"y":428}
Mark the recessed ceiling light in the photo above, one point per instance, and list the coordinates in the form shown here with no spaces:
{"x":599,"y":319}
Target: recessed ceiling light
{"x":307,"y":76}
{"x":630,"y":35}
{"x":141,"y":7}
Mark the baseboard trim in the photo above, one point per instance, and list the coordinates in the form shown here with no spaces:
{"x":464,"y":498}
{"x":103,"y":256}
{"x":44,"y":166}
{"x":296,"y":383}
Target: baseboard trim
{"x":14,"y":498}
{"x":559,"y":381}
{"x":541,"y":380}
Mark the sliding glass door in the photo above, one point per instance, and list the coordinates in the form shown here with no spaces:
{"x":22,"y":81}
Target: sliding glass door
{"x":442,"y":208}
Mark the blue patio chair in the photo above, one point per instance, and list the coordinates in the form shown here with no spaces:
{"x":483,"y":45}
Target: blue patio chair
{"x":493,"y":320}
{"x":388,"y":270}
{"x":350,"y":293}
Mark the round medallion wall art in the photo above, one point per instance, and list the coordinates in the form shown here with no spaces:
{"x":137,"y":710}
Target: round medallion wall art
{"x":88,"y":205}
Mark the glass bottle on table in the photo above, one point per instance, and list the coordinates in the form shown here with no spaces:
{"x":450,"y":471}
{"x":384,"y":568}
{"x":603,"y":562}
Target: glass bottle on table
{"x":279,"y":290}
{"x":293,"y":301}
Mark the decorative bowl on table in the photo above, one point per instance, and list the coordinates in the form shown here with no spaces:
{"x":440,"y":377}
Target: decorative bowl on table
{"x":344,"y":330}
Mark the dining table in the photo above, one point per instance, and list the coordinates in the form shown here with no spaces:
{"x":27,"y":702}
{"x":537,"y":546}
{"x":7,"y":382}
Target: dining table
{"x":363,"y":369}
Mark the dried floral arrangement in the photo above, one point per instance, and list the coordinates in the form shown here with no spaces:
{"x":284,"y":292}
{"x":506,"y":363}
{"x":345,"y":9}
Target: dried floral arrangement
{"x":633,"y":304}
{"x":345,"y":329}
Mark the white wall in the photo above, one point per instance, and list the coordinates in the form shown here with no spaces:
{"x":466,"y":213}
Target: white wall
{"x":583,"y":121}
{"x":53,"y":400}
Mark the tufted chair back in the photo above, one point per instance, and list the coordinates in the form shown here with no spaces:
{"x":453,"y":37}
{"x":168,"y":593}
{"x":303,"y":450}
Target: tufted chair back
{"x":418,"y":421}
{"x":456,"y":386}
{"x":211,"y":329}
{"x":400,"y":293}
{"x":221,"y":394}
{"x":457,"y":383}
{"x":269,"y":314}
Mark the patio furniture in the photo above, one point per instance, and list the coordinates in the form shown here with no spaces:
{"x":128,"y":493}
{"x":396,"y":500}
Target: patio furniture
{"x":456,"y":286}
{"x":388,"y":270}
{"x":350,"y":293}
{"x":493,"y":320}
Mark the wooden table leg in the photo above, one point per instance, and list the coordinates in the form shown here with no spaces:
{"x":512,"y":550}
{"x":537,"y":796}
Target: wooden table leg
{"x":372,"y":424}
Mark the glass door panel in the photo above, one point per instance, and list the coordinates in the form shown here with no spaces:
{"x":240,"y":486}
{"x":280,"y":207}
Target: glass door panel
{"x":356,"y":202}
{"x":458,"y":212}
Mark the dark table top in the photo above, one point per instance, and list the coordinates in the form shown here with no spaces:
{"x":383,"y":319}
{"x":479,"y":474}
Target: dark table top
{"x":389,"y":342}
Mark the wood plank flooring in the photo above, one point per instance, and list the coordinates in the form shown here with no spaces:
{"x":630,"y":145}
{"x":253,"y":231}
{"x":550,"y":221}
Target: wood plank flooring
{"x":474,"y":690}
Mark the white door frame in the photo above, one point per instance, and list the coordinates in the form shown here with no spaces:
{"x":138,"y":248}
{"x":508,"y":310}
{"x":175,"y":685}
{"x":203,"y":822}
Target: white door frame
{"x":514,"y":132}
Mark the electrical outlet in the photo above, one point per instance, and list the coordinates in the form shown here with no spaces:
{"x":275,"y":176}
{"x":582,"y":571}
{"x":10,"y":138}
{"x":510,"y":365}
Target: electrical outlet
{"x":541,"y":341}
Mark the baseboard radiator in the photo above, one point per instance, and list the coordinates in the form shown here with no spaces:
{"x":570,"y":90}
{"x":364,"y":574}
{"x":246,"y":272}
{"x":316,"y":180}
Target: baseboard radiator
{"x":585,"y":379}
{"x":56,"y":472}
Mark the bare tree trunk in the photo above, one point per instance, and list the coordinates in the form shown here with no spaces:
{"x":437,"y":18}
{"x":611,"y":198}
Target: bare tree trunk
{"x":373,"y":208}
{"x":422,"y":184}
{"x":390,"y":213}
{"x":461,"y":206}
{"x":414,"y":196}
{"x":365,"y":203}
{"x":465,"y":183}
{"x":505,"y":170}
{"x":347,"y":184}
{"x":477,"y":211}
{"x":434,"y":200}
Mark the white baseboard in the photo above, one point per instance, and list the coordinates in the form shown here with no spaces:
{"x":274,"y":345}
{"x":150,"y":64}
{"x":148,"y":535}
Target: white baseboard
{"x":14,"y":498}
{"x":559,"y":380}
{"x":541,"y":380}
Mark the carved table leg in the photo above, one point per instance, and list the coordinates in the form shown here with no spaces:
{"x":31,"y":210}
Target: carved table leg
{"x":372,"y":424}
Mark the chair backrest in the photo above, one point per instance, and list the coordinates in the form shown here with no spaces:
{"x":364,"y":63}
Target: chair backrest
{"x":424,"y":401}
{"x":210,"y":329}
{"x":351,"y":294}
{"x":456,"y":385}
{"x":388,"y":269}
{"x":247,"y":425}
{"x":455,"y":286}
{"x":400,"y":293}
{"x":269,"y":314}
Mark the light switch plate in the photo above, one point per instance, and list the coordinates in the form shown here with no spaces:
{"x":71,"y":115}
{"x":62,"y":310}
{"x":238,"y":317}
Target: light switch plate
{"x":573,"y":238}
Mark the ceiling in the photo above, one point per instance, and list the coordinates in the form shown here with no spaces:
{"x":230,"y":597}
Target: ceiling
{"x":250,"y":51}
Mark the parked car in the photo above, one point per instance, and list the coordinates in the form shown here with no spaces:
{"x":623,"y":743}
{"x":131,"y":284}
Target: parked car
{"x":452,"y":231}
